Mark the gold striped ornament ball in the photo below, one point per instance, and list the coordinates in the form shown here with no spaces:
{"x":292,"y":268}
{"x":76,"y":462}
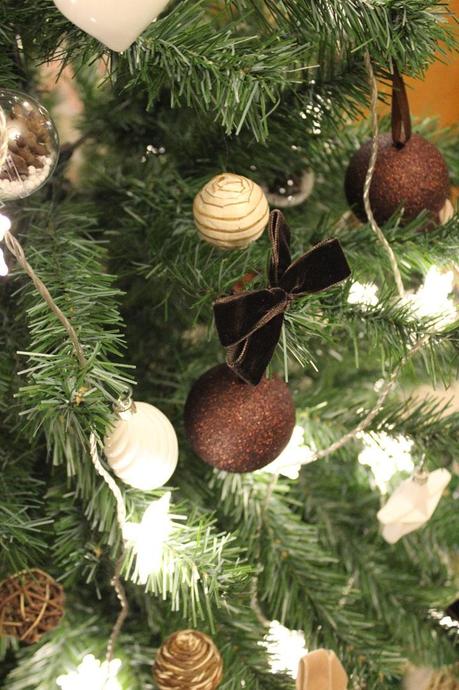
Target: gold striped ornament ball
{"x":231,"y":211}
{"x":189,"y":660}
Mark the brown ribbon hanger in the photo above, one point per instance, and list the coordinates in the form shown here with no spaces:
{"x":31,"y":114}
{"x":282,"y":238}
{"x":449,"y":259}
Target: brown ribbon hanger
{"x":401,"y":118}
{"x":249,"y":323}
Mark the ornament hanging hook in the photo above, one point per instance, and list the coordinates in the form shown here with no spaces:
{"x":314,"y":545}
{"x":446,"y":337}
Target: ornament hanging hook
{"x":401,"y":118}
{"x":421,"y":475}
{"x":125,"y":402}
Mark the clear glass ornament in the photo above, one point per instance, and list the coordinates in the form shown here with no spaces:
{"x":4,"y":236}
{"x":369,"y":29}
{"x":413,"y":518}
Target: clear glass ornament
{"x":29,"y":145}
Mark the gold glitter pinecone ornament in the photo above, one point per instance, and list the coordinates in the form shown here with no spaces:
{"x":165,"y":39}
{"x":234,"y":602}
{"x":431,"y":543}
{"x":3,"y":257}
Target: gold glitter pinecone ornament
{"x":189,"y":660}
{"x":29,"y":141}
{"x":443,"y":680}
{"x":31,"y":604}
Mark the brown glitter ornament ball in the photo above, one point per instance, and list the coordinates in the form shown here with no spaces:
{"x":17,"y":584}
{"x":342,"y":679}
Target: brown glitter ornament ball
{"x":411,"y":175}
{"x":188,"y":660}
{"x":237,"y":427}
{"x":31,"y":604}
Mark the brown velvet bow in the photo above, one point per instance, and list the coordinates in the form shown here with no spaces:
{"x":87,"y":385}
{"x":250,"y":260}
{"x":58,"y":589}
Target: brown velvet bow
{"x":249,"y":323}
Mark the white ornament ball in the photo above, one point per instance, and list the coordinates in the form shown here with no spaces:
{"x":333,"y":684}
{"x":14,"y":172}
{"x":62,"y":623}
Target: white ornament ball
{"x":29,"y":145}
{"x":231,"y":211}
{"x":142,"y":447}
{"x":115,"y":23}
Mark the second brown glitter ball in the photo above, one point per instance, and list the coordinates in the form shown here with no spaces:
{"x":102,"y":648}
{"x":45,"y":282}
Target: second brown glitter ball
{"x":237,"y":427}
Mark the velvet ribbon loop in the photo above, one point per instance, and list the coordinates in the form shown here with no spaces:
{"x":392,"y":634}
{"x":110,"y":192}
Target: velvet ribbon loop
{"x":249,"y":323}
{"x":400,"y":117}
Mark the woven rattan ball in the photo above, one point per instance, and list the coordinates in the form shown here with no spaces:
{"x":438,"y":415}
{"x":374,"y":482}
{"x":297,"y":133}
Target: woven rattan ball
{"x":31,"y":604}
{"x":188,"y":659}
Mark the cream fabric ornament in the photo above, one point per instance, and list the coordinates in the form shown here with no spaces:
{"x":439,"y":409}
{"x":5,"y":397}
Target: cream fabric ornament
{"x":412,"y":504}
{"x":321,"y":670}
{"x":115,"y":23}
{"x":142,"y":448}
{"x":231,"y":211}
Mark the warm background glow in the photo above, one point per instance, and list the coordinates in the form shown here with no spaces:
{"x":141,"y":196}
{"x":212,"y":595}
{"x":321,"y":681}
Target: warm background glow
{"x":438,"y":95}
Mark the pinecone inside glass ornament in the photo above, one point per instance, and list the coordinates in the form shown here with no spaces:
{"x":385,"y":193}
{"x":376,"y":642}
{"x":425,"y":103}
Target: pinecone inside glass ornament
{"x":29,"y":144}
{"x":31,"y":604}
{"x":290,"y":190}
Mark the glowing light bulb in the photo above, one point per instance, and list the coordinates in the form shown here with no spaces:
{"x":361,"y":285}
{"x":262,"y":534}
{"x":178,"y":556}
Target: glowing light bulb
{"x":285,"y":648}
{"x":92,"y":674}
{"x":149,"y":536}
{"x":294,"y":455}
{"x":386,"y":455}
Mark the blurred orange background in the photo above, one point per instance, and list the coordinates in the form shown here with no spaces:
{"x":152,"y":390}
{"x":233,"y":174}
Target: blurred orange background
{"x":438,"y":95}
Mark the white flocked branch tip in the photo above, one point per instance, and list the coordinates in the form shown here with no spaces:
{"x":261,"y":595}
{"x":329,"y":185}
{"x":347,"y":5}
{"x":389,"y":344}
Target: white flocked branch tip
{"x":293,"y":457}
{"x":434,"y":298}
{"x":285,"y":648}
{"x":364,"y":295}
{"x":149,"y":536}
{"x":92,"y":674}
{"x":386,"y":455}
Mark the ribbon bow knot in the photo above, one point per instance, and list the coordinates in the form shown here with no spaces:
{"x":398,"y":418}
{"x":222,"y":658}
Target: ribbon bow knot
{"x":249,"y":323}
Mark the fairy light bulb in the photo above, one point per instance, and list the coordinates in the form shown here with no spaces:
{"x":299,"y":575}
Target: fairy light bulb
{"x":92,"y":674}
{"x":148,"y":537}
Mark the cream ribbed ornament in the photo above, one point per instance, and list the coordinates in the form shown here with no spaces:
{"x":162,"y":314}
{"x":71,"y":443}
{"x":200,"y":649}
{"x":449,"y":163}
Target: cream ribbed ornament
{"x":116,"y":23}
{"x":231,"y":211}
{"x":188,"y":660}
{"x":142,"y":447}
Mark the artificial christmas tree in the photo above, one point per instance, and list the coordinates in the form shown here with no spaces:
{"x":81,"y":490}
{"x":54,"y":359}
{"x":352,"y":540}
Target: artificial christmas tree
{"x":111,"y":292}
